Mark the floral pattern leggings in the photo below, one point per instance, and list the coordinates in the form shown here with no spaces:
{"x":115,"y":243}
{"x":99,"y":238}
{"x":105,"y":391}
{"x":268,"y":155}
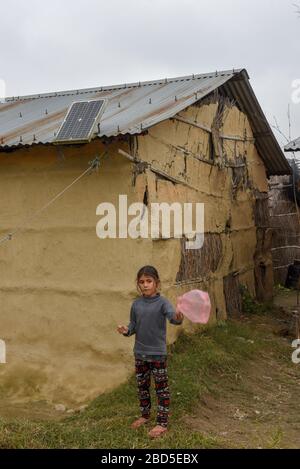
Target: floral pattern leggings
{"x":143,"y":370}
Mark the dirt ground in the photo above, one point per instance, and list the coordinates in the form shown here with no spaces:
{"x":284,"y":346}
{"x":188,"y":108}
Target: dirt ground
{"x":259,"y":408}
{"x":39,"y":410}
{"x":263,"y":409}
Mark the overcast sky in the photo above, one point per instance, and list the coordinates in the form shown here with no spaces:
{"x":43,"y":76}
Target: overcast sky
{"x":71,"y":44}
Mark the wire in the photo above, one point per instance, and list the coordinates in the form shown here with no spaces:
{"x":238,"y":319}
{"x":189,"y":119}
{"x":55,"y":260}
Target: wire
{"x":94,"y":165}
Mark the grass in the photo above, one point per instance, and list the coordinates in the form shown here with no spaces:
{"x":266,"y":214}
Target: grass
{"x":281,"y":290}
{"x":251,"y":306}
{"x":196,"y":365}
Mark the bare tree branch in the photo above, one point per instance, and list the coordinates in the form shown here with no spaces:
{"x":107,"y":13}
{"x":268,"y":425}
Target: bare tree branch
{"x":277,"y":128}
{"x":297,"y":6}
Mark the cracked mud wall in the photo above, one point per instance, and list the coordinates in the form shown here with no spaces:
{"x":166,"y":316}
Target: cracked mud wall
{"x":285,"y":224}
{"x":63,"y":290}
{"x":229,"y":184}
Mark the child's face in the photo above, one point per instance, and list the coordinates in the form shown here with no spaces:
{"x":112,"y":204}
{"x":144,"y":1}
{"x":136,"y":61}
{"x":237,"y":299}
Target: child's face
{"x":147,"y":285}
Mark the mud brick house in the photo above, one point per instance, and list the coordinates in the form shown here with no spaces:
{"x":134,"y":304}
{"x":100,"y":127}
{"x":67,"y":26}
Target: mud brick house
{"x":284,"y":199}
{"x":201,"y":138}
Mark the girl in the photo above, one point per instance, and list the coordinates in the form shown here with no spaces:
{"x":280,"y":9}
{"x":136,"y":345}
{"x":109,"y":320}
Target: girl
{"x":148,"y":322}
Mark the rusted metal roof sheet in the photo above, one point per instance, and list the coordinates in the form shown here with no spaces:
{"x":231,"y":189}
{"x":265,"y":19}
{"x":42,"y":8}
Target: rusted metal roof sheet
{"x":133,"y":108}
{"x":293,"y":146}
{"x":241,"y":91}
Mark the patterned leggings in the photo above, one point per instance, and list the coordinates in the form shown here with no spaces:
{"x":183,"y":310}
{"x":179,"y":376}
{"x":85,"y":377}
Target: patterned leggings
{"x":143,"y":371}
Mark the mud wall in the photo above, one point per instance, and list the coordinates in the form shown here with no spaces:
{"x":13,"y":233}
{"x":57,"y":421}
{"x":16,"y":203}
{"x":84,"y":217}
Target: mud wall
{"x":63,"y":290}
{"x":284,"y":215}
{"x":210,"y":147}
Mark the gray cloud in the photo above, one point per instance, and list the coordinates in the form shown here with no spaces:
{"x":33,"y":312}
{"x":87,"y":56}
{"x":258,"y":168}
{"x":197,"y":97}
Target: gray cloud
{"x":50,"y":46}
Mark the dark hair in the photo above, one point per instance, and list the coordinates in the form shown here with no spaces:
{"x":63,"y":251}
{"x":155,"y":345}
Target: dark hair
{"x":150,"y":271}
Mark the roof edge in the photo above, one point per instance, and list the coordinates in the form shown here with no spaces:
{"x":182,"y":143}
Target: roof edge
{"x":240,"y":88}
{"x":293,"y":146}
{"x":125,"y":85}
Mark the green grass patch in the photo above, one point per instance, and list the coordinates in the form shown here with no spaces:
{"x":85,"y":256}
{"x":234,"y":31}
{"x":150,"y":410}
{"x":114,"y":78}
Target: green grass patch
{"x":251,"y":306}
{"x":281,"y":290}
{"x":196,"y":364}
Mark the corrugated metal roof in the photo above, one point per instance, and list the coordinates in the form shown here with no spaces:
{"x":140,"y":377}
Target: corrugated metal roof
{"x":293,"y":146}
{"x":133,"y":108}
{"x":240,"y":89}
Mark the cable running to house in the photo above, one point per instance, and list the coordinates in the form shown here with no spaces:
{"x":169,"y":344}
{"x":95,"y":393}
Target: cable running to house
{"x":94,"y":165}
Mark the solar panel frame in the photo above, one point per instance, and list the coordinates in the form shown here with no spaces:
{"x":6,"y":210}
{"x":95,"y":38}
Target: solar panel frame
{"x":81,"y":119}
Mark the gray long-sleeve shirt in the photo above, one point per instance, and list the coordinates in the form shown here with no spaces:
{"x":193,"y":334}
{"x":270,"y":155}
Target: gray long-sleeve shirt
{"x":148,"y":322}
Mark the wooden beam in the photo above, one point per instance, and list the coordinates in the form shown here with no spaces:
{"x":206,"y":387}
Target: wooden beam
{"x":207,"y":129}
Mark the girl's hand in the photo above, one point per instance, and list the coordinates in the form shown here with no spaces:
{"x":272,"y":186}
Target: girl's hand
{"x":122,"y":329}
{"x":178,"y":315}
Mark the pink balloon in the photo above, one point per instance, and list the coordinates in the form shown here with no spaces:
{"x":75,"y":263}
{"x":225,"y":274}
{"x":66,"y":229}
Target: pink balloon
{"x":195,"y":305}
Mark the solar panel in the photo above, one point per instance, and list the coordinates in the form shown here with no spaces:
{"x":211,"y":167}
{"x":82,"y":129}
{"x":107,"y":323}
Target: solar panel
{"x":80,"y":122}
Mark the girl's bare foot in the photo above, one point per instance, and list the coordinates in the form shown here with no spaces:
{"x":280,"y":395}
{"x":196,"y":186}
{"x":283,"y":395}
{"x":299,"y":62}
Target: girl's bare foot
{"x":139,"y":422}
{"x":157,"y":431}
